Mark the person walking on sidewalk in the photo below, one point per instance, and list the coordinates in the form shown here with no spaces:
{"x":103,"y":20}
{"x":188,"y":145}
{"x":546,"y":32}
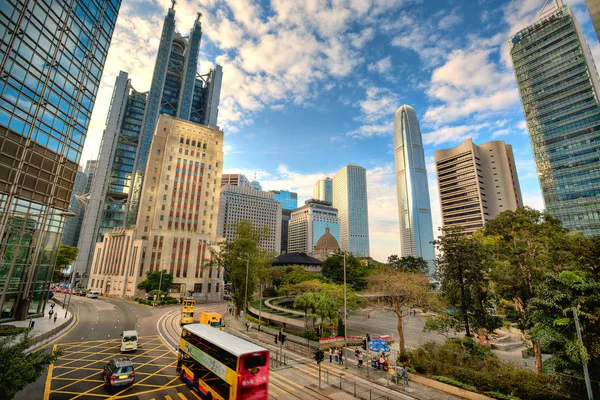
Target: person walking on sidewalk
{"x":55,"y":317}
{"x":247,"y":326}
{"x":330,"y":354}
{"x":50,"y":313}
{"x":360,"y":359}
{"x":341,"y":356}
{"x":336,"y":356}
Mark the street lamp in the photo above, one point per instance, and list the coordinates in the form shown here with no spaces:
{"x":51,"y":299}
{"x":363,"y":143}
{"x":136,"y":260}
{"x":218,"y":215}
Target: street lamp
{"x":24,"y":297}
{"x":345,"y":313}
{"x":246,"y":291}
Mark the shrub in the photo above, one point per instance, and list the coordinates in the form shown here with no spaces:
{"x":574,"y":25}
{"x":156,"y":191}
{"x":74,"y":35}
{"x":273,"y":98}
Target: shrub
{"x":11,"y":330}
{"x":501,"y":396}
{"x":465,"y":361}
{"x":456,"y":383}
{"x":311,"y":335}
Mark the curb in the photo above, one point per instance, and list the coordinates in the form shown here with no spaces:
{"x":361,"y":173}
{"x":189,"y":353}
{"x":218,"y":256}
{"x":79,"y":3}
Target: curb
{"x":62,"y":329}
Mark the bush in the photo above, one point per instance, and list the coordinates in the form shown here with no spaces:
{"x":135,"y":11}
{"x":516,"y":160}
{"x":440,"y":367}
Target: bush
{"x":465,"y":361}
{"x":311,"y":335}
{"x":456,"y":383}
{"x":11,"y":330}
{"x":500,"y":396}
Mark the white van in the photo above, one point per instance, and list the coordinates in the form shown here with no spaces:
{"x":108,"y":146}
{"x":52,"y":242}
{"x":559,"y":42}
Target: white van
{"x":129,"y":340}
{"x":92,"y":295}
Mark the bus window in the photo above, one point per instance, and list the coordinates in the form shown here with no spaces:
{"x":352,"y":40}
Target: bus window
{"x":253,"y":361}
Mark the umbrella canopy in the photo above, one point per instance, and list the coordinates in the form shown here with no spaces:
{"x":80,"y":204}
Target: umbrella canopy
{"x":378,"y":345}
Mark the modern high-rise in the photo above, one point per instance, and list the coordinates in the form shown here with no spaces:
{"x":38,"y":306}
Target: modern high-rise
{"x":476,"y":183}
{"x":349,"y":195}
{"x":559,"y":89}
{"x":594,"y":10}
{"x":309,"y":223}
{"x":240,"y":203}
{"x":177,"y":225}
{"x":176,"y":91}
{"x":412,"y":188}
{"x":83,"y":182}
{"x":52,"y":54}
{"x":235,"y":180}
{"x":289,"y":202}
{"x":322,"y":190}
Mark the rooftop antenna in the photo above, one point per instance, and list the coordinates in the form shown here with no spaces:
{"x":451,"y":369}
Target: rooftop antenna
{"x":199,"y":14}
{"x":556,"y":4}
{"x":173,"y":4}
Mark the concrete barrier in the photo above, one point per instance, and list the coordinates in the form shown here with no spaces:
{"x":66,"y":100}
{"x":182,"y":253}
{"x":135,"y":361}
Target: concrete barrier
{"x":444,"y":387}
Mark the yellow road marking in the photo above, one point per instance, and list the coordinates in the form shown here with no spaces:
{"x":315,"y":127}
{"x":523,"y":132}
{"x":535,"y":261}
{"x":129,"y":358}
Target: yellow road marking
{"x":181,"y":396}
{"x":167,"y":397}
{"x":64,"y":334}
{"x":145,"y":392}
{"x":49,"y":379}
{"x":280,"y":382}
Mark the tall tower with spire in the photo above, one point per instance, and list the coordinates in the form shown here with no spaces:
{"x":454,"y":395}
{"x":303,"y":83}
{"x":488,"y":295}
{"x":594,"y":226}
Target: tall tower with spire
{"x":177,"y":90}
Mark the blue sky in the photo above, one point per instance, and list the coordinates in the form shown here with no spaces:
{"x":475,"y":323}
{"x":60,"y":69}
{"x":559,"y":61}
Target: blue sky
{"x":311,"y":85}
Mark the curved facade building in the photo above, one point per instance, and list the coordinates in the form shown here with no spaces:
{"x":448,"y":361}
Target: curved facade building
{"x":414,"y":209}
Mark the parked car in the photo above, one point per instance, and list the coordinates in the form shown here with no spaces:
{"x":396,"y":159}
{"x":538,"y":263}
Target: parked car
{"x":83,"y":292}
{"x":92,"y":295}
{"x":118,"y":372}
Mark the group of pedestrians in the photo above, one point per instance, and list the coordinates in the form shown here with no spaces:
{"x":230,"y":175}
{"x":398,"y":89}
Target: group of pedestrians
{"x":52,"y":313}
{"x":336,"y":355}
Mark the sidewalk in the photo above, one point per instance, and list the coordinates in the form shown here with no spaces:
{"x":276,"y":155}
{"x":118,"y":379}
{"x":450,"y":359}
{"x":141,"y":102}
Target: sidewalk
{"x":45,"y":329}
{"x":334,"y":376}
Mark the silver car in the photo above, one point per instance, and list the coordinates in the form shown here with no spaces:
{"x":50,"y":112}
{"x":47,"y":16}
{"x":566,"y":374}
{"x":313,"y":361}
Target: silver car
{"x":119,"y":372}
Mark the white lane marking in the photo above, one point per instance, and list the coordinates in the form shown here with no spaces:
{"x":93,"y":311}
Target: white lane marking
{"x":81,"y":338}
{"x":108,"y":335}
{"x":92,"y":328}
{"x":115,"y":326}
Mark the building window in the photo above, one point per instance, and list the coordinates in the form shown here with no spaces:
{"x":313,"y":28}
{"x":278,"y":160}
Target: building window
{"x":208,"y":291}
{"x":216,"y":288}
{"x":197,"y":288}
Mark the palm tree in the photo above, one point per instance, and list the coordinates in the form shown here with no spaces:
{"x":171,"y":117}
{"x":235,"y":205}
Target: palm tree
{"x":305,"y":302}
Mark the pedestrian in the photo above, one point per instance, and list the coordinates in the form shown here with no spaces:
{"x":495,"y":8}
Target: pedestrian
{"x":360,"y":359}
{"x":52,"y":305}
{"x":336,"y":356}
{"x":330,"y":354}
{"x":50,"y":313}
{"x":55,"y":317}
{"x":341,"y":357}
{"x":247,"y":326}
{"x":368,"y":337}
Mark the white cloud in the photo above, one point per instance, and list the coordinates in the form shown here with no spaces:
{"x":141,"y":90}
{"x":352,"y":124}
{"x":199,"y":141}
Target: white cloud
{"x":382,"y":66}
{"x":501,"y":132}
{"x":376,"y":113}
{"x":453,"y":134}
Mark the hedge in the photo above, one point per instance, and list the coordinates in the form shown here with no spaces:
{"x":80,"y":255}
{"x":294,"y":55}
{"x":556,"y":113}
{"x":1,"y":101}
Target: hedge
{"x":11,"y":330}
{"x":456,"y":383}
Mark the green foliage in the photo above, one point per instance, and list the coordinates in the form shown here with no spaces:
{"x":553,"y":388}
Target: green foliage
{"x":465,"y":361}
{"x":20,"y":369}
{"x":356,"y":271}
{"x":408,"y":263}
{"x":156,"y":280}
{"x":442,"y":323}
{"x":462,"y":265}
{"x":65,"y":256}
{"x":456,"y":383}
{"x":11,"y":330}
{"x":243,"y":257}
{"x":501,"y":396}
{"x":550,"y":312}
{"x":157,"y":292}
{"x":296,"y":274}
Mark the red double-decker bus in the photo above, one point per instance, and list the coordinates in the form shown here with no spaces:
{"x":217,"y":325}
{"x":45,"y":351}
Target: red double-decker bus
{"x":222,"y":366}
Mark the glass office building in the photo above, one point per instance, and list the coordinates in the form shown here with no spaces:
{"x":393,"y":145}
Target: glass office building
{"x":289,"y":202}
{"x":176,"y":90}
{"x":350,"y":198}
{"x":308,"y":224}
{"x":51,"y":56}
{"x":412,"y":188}
{"x":322,"y":190}
{"x":559,"y":89}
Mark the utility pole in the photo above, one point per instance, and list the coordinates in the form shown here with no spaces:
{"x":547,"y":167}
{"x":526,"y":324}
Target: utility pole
{"x":260,"y":308}
{"x":280,"y":344}
{"x":588,"y":384}
{"x":345,"y":313}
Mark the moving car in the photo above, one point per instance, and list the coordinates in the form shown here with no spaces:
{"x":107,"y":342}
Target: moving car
{"x":92,"y":295}
{"x":129,"y":340}
{"x":118,"y":372}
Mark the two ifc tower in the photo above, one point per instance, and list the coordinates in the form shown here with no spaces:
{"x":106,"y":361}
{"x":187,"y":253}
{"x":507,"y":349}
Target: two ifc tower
{"x":414,"y":208}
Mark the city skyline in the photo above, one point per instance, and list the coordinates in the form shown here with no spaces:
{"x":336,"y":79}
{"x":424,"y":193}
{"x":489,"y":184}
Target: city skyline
{"x":310,"y":120}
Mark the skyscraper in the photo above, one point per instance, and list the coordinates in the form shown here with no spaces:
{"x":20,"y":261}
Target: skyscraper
{"x":322,"y":190}
{"x":559,"y":89}
{"x":412,"y":188}
{"x":289,"y":202}
{"x":235,"y":180}
{"x":594,"y":10}
{"x":175,"y":90}
{"x":51,"y":56}
{"x":177,"y":224}
{"x":350,"y":198}
{"x":82,"y":186}
{"x":476,"y":183}
{"x":309,"y":223}
{"x":240,"y":203}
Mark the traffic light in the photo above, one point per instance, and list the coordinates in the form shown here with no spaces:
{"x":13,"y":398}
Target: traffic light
{"x":319,"y":356}
{"x":276,"y":339}
{"x":282,"y":337}
{"x":364,"y":344}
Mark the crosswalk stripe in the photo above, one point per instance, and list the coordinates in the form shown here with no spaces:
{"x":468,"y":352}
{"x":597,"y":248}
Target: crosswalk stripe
{"x":167,"y":397}
{"x":280,"y":382}
{"x":181,"y":396}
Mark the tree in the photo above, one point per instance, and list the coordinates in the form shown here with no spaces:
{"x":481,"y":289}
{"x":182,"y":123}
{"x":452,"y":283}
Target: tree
{"x":244,"y":259}
{"x":296,"y":274}
{"x":306,"y":302}
{"x":156,"y":280}
{"x":462,"y":272}
{"x":408,"y":263}
{"x":65,"y":256}
{"x":550,"y":311}
{"x":525,"y":245}
{"x":356,"y":271}
{"x":398,"y":291}
{"x":20,"y":369}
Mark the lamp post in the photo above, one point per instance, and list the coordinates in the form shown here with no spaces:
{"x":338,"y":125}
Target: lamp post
{"x":246,"y":291}
{"x":24,"y":298}
{"x":345,"y":313}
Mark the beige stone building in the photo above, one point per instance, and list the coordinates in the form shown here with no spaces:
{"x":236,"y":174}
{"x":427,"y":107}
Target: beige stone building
{"x":476,"y":183}
{"x":177,"y":221}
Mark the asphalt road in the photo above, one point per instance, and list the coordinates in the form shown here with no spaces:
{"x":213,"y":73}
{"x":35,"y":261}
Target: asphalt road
{"x":94,"y":340}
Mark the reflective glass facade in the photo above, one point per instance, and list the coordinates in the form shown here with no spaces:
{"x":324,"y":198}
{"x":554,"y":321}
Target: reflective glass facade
{"x":559,"y":88}
{"x":414,"y":209}
{"x":52,"y":54}
{"x":288,"y":200}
